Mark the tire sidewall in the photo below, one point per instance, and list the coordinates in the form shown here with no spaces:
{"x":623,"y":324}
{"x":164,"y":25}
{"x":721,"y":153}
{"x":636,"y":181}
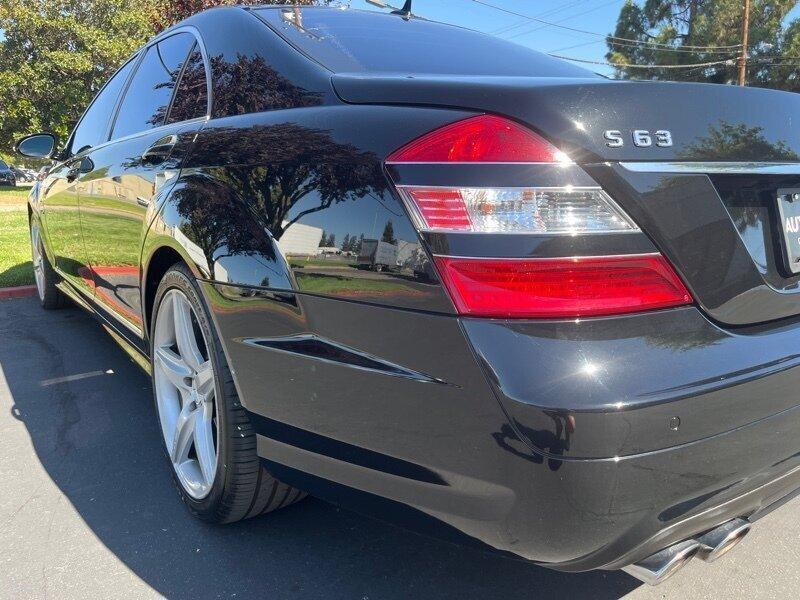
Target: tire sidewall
{"x":181,"y":279}
{"x":48,"y":295}
{"x":40,"y":293}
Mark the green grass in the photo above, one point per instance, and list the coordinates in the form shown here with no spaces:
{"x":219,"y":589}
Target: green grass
{"x":13,"y":195}
{"x":114,"y":239}
{"x":321,"y":262}
{"x":15,"y":249}
{"x":325,"y":284}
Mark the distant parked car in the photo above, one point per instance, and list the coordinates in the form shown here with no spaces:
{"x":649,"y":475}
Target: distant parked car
{"x":26,"y":175}
{"x":7,"y":176}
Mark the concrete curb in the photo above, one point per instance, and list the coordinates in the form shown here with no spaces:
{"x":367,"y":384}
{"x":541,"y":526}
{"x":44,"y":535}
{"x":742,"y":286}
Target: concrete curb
{"x":22,"y":291}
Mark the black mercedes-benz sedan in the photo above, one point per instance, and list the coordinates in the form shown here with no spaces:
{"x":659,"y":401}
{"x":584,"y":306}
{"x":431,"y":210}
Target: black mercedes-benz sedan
{"x":445,"y":280}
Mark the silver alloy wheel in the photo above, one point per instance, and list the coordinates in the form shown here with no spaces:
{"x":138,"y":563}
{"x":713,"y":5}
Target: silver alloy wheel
{"x":36,"y":257}
{"x":185,"y":394}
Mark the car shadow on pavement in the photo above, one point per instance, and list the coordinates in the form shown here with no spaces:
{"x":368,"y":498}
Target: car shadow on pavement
{"x":88,"y":411}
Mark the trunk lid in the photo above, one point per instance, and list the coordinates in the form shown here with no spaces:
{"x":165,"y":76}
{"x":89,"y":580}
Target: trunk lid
{"x":707,"y":122}
{"x":709,"y":200}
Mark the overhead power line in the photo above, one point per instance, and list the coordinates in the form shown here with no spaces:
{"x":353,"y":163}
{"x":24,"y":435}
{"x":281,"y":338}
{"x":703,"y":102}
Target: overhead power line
{"x":681,"y":49}
{"x":547,"y":13}
{"x":609,"y":37}
{"x":581,"y":45}
{"x":727,"y":53}
{"x":568,"y":18}
{"x":730,"y":61}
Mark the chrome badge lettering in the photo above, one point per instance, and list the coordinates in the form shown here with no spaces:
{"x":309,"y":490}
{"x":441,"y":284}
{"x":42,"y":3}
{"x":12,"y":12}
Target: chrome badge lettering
{"x":642,"y":138}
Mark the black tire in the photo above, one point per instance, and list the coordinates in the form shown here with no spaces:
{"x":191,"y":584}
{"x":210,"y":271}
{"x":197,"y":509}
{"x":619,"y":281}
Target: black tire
{"x":242,"y":488}
{"x":50,"y":297}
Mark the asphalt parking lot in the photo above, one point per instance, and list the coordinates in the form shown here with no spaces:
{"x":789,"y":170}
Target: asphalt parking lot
{"x":87,"y":508}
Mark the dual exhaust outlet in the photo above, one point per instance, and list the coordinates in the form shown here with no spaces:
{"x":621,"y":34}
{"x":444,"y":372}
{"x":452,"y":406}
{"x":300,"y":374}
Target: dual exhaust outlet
{"x":709,"y":547}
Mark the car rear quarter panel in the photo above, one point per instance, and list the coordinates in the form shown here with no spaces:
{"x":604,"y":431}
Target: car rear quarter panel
{"x":252,"y":178}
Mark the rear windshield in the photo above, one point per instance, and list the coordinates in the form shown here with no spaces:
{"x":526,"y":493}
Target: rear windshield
{"x":347,"y":41}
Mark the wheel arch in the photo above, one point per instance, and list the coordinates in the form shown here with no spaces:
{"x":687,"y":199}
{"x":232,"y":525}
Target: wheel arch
{"x":160,"y":258}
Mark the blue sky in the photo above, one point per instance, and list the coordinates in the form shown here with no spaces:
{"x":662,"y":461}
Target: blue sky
{"x":598,"y":16}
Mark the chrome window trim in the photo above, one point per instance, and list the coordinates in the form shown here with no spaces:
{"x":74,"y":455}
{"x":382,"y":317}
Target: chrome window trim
{"x":743,"y":167}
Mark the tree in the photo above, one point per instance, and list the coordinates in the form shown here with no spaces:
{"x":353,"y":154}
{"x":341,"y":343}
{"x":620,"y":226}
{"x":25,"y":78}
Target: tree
{"x":346,"y":243}
{"x":669,"y":32}
{"x":294,"y":172}
{"x":173,"y":11}
{"x":729,"y":141}
{"x":323,"y":241}
{"x":778,"y":65}
{"x":56,"y":55}
{"x":388,"y":233}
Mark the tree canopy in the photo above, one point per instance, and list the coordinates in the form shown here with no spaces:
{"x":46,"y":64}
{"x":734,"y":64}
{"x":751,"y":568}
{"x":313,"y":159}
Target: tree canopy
{"x":688,"y":32}
{"x":173,"y":11}
{"x":56,"y":55}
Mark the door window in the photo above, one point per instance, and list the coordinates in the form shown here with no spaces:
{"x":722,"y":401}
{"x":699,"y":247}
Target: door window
{"x":191,"y":97}
{"x":93,"y":128}
{"x":147,"y":98}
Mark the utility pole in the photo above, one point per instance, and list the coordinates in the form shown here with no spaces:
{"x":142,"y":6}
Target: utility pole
{"x":745,"y":40}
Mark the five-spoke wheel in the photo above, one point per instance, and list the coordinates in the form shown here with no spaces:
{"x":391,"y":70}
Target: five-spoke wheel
{"x":185,"y":393}
{"x":208,"y":438}
{"x":45,"y":277}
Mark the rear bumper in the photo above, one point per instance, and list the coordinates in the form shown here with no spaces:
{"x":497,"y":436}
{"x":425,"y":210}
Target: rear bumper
{"x":662,"y":425}
{"x":553,"y":442}
{"x":645,"y":503}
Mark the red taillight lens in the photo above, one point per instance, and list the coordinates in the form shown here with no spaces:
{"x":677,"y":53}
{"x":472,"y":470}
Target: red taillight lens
{"x":486,"y":138}
{"x":561,"y":287}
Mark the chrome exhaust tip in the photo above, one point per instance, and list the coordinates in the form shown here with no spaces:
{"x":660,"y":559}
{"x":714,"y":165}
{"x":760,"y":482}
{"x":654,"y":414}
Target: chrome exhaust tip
{"x":663,"y":564}
{"x":721,"y":540}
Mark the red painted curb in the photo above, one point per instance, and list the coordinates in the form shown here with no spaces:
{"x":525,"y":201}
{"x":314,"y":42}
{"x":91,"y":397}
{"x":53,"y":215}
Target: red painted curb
{"x":17,"y":292}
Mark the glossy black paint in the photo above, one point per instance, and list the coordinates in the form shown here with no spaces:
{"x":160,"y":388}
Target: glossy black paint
{"x":708,"y":122}
{"x":706,"y":237}
{"x":318,"y":167}
{"x":577,"y":444}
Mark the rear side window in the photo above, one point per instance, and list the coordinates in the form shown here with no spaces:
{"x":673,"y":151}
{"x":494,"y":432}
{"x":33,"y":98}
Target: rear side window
{"x":93,"y":128}
{"x":346,"y":41}
{"x":147,"y":97}
{"x":191,"y":97}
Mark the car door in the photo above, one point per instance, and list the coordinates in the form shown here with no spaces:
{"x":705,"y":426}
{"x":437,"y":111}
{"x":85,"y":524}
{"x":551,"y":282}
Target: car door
{"x":60,"y":201}
{"x":164,"y":103}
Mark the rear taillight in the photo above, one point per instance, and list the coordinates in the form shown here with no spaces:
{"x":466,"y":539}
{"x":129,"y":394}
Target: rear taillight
{"x":485,"y":138}
{"x":552,"y":210}
{"x":565,"y":287}
{"x":561,"y":287}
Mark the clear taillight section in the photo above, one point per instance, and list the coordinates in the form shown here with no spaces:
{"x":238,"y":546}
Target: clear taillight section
{"x":551,"y":210}
{"x":560,"y":287}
